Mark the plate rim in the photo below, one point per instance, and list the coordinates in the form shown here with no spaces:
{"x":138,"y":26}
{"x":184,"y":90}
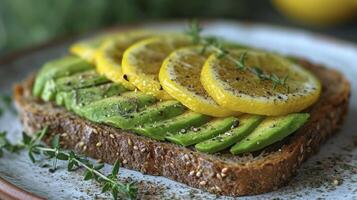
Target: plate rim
{"x":10,"y":191}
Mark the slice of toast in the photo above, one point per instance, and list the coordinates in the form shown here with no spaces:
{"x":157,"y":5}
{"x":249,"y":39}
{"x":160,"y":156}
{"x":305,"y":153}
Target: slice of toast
{"x":221,"y":173}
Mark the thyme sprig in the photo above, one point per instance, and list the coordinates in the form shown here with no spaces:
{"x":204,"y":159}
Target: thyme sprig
{"x":109,"y":183}
{"x":214,"y":44}
{"x":6,"y":145}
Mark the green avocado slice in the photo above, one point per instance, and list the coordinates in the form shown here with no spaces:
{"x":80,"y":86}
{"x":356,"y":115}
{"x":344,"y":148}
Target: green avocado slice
{"x":150,"y":114}
{"x":75,"y":99}
{"x":59,"y":68}
{"x":76,"y":81}
{"x":271,"y":130}
{"x":122,"y":105}
{"x":247,"y":123}
{"x":160,"y":129}
{"x":80,"y":80}
{"x":204,"y":132}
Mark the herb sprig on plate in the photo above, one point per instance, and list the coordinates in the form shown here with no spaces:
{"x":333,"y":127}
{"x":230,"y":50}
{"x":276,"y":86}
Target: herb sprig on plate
{"x":109,"y":183}
{"x":214,"y":44}
{"x":6,"y":145}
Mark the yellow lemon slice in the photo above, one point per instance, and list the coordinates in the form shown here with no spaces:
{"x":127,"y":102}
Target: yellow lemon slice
{"x":244,"y":90}
{"x":180,"y":77}
{"x":109,"y":56}
{"x":318,"y":12}
{"x":86,"y":49}
{"x":142,"y":61}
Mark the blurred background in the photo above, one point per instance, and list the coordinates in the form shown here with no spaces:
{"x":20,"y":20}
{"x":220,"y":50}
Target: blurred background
{"x":24,"y":23}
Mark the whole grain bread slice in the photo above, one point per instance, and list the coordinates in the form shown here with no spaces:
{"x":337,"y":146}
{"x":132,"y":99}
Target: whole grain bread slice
{"x":221,"y":173}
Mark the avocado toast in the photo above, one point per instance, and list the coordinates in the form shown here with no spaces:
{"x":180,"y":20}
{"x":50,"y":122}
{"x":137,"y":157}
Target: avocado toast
{"x":259,"y":170}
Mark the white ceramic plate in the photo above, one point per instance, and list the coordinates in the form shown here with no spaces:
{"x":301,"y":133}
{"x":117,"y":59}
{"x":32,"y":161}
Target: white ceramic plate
{"x":331,"y":174}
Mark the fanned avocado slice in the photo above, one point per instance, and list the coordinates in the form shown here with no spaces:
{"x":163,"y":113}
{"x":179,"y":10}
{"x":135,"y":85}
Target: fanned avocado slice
{"x":115,"y":106}
{"x":271,"y":130}
{"x":159,"y":130}
{"x":75,"y":99}
{"x":150,"y":114}
{"x":204,"y":132}
{"x":77,"y":81}
{"x":247,"y":123}
{"x":59,"y":68}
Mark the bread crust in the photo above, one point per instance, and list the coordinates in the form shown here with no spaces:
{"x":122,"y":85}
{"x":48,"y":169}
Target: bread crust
{"x":222,"y":173}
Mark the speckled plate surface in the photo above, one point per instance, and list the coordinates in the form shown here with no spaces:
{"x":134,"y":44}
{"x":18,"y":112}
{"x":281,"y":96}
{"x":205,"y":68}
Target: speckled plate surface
{"x":331,"y":174}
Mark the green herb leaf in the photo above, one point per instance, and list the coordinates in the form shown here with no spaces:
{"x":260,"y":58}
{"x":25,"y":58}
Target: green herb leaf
{"x":55,"y":141}
{"x":132,"y":190}
{"x":106,"y":187}
{"x":257,"y":71}
{"x":115,"y":192}
{"x":241,"y":62}
{"x":110,"y":182}
{"x":99,"y":166}
{"x":62,"y":156}
{"x":26,"y":139}
{"x":115,"y":169}
{"x":31,"y":156}
{"x":88,"y":175}
{"x":5,"y":144}
{"x":215,"y":45}
{"x":50,"y":154}
{"x":194,"y":31}
{"x":70,"y":165}
{"x":40,"y":135}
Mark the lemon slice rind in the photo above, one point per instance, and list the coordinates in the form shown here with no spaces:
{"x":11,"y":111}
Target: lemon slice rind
{"x":109,"y":55}
{"x":142,"y":61}
{"x":107,"y":65}
{"x":87,"y":48}
{"x":195,"y":98}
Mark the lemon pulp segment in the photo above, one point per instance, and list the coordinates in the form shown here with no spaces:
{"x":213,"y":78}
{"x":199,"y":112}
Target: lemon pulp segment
{"x":180,"y":77}
{"x":142,"y":61}
{"x":243,"y":91}
{"x":109,"y":56}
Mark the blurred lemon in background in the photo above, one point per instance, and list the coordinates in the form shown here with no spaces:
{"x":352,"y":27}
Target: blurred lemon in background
{"x":318,"y":12}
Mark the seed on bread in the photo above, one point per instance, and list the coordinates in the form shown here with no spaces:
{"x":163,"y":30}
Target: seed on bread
{"x":301,"y":149}
{"x":95,"y":131}
{"x":224,"y":170}
{"x":202,"y":183}
{"x":81,"y":144}
{"x":130,"y":142}
{"x":218,"y":188}
{"x":198,"y":174}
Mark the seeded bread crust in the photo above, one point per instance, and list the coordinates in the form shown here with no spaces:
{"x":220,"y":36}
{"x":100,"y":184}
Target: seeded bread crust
{"x":221,"y":173}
